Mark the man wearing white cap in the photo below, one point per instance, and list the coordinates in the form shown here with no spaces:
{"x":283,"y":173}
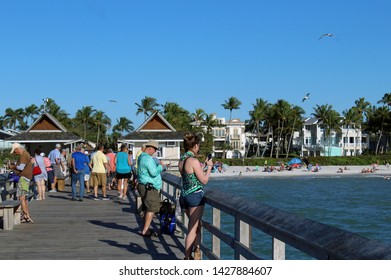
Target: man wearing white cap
{"x":149,"y":185}
{"x":24,"y":169}
{"x":55,"y":159}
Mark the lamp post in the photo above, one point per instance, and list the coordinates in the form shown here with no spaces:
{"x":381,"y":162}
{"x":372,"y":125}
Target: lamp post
{"x":202,"y":136}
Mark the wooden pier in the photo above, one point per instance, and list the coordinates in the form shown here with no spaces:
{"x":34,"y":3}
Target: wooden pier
{"x":87,"y":230}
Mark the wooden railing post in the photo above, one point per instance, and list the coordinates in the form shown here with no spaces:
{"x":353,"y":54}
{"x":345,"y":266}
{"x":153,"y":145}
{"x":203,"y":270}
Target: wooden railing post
{"x":278,"y":249}
{"x":242,"y":235}
{"x":216,"y":220}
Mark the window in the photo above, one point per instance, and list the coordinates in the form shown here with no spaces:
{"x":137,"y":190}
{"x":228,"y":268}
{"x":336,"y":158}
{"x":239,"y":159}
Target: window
{"x":170,"y":144}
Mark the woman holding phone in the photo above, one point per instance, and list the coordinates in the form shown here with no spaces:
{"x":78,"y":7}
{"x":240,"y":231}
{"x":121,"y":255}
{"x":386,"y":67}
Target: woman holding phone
{"x":192,"y":200}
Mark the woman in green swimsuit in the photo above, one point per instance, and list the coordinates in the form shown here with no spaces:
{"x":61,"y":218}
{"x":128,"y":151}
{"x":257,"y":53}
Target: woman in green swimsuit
{"x":192,"y":194}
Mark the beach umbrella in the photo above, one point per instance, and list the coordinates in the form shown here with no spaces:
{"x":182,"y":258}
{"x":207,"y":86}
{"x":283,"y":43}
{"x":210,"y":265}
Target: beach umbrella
{"x":294,"y":161}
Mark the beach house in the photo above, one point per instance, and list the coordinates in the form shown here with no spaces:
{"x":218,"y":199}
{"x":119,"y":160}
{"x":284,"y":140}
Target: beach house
{"x":157,"y":128}
{"x":313,"y":141}
{"x":228,"y":137}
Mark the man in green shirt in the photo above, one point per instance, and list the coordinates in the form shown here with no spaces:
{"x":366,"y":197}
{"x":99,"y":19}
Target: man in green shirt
{"x":149,"y":185}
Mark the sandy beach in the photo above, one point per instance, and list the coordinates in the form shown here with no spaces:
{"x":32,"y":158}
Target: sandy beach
{"x":352,"y":170}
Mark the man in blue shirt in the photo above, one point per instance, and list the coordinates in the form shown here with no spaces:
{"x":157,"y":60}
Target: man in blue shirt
{"x":55,"y":160}
{"x":149,"y":185}
{"x":79,"y":161}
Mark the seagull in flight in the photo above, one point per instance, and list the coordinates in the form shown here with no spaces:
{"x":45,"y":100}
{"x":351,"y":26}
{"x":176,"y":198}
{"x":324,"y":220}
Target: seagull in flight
{"x":112,"y":100}
{"x":326,"y":35}
{"x":307,"y":96}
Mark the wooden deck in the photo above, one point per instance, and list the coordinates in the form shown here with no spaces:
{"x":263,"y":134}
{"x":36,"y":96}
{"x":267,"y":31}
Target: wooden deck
{"x":88,"y":230}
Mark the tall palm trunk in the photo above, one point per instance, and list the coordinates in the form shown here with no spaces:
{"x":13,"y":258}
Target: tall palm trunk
{"x":291,"y":138}
{"x":378,"y":141}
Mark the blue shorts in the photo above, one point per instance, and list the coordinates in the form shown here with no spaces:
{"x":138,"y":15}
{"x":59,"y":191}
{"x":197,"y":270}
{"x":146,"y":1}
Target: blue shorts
{"x":192,"y":200}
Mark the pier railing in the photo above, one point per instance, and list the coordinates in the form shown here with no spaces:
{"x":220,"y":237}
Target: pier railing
{"x":317,"y":240}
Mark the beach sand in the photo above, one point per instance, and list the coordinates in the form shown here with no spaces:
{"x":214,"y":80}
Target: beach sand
{"x":381,"y":170}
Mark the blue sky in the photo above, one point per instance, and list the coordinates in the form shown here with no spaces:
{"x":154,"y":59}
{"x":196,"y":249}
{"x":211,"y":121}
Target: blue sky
{"x":196,"y":53}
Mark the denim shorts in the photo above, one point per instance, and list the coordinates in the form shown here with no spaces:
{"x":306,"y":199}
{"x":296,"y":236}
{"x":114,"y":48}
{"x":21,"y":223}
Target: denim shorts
{"x":192,"y":200}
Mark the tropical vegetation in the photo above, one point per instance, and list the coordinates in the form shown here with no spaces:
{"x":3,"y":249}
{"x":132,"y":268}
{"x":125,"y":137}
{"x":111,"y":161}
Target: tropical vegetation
{"x":277,"y":122}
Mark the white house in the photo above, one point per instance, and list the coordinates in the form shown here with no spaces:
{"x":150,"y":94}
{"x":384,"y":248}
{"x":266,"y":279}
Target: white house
{"x":231,"y":133}
{"x":312,"y":140}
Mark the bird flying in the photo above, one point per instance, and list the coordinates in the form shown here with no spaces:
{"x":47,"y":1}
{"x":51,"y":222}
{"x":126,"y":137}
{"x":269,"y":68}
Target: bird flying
{"x":326,"y":35}
{"x":307,"y":96}
{"x":112,"y":100}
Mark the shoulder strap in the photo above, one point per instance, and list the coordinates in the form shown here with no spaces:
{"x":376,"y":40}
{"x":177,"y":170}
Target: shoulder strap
{"x":183,"y":166}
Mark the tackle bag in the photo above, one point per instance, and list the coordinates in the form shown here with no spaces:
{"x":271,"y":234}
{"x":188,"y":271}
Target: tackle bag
{"x":167,"y":217}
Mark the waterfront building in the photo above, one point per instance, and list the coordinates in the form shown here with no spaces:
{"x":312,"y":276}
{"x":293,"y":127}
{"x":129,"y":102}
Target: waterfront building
{"x":229,"y":138}
{"x":312,"y":140}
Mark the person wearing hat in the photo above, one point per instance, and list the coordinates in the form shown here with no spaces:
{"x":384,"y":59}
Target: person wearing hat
{"x":149,"y":185}
{"x":24,"y":169}
{"x":55,"y":159}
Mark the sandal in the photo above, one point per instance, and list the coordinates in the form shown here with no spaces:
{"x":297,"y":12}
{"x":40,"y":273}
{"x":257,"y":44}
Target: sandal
{"x":197,"y":253}
{"x":149,"y":233}
{"x":27,"y":219}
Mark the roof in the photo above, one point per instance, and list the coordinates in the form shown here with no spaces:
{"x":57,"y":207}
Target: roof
{"x":309,"y":121}
{"x":29,"y":137}
{"x":45,"y":129}
{"x":4,"y":134}
{"x":156,"y":127}
{"x":155,"y":122}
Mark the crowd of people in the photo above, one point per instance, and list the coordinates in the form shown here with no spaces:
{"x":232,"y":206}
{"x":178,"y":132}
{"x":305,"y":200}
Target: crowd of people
{"x":109,"y":170}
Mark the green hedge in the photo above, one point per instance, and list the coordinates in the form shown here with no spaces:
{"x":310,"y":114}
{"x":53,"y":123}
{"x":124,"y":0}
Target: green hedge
{"x":323,"y":161}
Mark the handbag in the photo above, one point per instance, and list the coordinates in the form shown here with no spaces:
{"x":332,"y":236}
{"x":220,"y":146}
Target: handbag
{"x":36,"y":169}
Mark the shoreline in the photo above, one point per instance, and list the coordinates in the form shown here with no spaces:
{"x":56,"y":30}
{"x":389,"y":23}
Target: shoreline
{"x":350,"y":170}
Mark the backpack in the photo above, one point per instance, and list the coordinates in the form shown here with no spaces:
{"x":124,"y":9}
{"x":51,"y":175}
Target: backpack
{"x":167,"y":217}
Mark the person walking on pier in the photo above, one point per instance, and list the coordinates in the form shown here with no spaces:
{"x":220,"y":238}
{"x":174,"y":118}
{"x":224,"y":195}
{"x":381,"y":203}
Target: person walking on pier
{"x":79,"y":162}
{"x":149,"y":185}
{"x":55,"y":159}
{"x":24,"y":169}
{"x":99,"y":172}
{"x":123,"y":171}
{"x":192,"y":193}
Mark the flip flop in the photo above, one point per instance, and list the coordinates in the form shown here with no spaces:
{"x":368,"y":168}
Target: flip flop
{"x":149,"y":233}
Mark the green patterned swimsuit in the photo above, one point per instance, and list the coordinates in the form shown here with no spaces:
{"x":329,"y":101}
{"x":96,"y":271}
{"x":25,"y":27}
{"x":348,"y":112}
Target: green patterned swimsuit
{"x":190,"y":183}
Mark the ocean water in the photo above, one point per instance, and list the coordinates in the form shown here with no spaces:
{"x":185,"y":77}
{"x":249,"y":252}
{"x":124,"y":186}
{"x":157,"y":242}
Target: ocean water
{"x":360,"y":204}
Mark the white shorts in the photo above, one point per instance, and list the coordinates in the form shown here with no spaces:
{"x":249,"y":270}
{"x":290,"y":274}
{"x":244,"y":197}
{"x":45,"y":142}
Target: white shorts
{"x":86,"y":177}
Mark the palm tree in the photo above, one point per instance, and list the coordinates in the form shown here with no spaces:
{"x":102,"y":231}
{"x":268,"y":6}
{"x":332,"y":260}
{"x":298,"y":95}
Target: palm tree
{"x":13,"y":117}
{"x":362,"y":107}
{"x":198,"y":116}
{"x":296,"y":113}
{"x":84,"y":116}
{"x":350,"y":119}
{"x":102,"y":122}
{"x":177,"y":116}
{"x":31,"y":112}
{"x":123,"y":124}
{"x":333,"y":124}
{"x":269,"y":116}
{"x":148,"y":105}
{"x":381,"y":114}
{"x":56,"y":111}
{"x":209,"y":122}
{"x":386,"y":100}
{"x":231,"y":104}
{"x":321,"y":113}
{"x":257,"y":116}
{"x":281,"y":109}
{"x":1,"y":122}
